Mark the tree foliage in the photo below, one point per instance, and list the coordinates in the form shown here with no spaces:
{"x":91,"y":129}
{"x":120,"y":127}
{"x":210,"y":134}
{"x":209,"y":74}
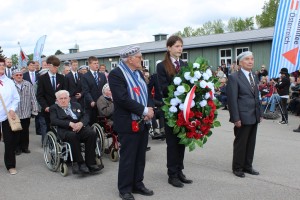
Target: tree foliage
{"x":268,"y":17}
{"x":210,"y":27}
{"x":239,"y":24}
{"x":58,"y":52}
{"x":15,"y":59}
{"x":1,"y":55}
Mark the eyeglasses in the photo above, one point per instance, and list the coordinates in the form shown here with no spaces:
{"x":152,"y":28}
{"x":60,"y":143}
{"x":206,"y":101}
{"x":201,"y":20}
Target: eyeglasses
{"x":18,"y":74}
{"x":2,"y":65}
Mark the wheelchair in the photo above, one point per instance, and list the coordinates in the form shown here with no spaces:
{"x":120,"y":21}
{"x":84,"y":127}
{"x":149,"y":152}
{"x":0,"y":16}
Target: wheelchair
{"x":110,"y":142}
{"x":57,"y":153}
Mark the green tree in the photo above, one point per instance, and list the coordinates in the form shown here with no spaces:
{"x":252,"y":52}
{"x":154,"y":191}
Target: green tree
{"x":15,"y":59}
{"x":268,"y":17}
{"x":239,"y":24}
{"x":1,"y":55}
{"x":30,"y":57}
{"x":58,"y":52}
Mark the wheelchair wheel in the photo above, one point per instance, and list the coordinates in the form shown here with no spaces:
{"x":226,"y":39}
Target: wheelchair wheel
{"x":100,"y":134}
{"x":63,"y":168}
{"x":51,"y":149}
{"x":114,"y":155}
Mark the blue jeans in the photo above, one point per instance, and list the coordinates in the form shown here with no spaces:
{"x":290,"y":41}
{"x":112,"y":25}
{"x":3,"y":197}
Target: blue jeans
{"x":273,"y":101}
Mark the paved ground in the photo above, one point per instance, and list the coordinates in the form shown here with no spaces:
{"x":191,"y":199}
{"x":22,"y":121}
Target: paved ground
{"x":277,"y":159}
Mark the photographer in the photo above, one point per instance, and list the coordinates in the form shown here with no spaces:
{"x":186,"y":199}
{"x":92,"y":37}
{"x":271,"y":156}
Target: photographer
{"x":262,"y":72}
{"x":283,"y":90}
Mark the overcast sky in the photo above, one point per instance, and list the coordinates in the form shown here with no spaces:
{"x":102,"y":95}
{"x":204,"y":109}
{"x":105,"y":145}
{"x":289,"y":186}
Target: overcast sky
{"x":96,"y":24}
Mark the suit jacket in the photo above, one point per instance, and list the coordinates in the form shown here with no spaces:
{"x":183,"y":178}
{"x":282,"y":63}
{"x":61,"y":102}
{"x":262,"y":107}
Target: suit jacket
{"x":27,"y":77}
{"x":164,"y":79}
{"x":45,"y":93}
{"x":73,"y":87}
{"x":91,"y":90}
{"x":243,"y":102}
{"x":60,"y":119}
{"x":123,"y":103}
{"x":153,"y":83}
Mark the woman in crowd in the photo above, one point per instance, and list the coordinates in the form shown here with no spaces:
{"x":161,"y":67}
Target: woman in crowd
{"x":11,"y":98}
{"x":283,"y":90}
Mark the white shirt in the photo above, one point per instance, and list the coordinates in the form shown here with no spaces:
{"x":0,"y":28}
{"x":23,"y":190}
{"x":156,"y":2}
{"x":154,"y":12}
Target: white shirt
{"x":247,"y":75}
{"x":9,"y":95}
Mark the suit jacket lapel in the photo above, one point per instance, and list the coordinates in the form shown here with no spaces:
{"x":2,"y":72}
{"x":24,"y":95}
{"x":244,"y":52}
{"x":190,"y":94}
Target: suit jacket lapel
{"x":245,"y":81}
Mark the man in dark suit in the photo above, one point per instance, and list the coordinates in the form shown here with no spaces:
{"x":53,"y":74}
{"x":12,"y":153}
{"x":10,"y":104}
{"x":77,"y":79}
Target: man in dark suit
{"x":31,"y":75}
{"x":72,"y":127}
{"x":245,"y":113}
{"x":9,"y":67}
{"x":92,"y":84}
{"x":49,"y":83}
{"x":73,"y":83}
{"x":130,"y":97}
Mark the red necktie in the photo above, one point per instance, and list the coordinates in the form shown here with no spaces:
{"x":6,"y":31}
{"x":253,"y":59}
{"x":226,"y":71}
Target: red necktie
{"x":177,"y":67}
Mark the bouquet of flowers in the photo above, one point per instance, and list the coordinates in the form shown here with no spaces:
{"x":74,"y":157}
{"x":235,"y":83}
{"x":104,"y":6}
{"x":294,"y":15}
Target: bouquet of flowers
{"x":191,"y":108}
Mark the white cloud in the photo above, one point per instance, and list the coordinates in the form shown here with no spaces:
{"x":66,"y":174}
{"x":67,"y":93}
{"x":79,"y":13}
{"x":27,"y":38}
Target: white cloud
{"x":97,"y":24}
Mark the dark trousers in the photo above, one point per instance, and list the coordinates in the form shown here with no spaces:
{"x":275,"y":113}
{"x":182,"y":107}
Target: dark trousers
{"x":132,"y":160}
{"x":87,"y":136}
{"x":243,"y":147}
{"x":23,"y":141}
{"x":284,"y":114}
{"x":93,"y":114}
{"x":10,"y":141}
{"x":175,"y":153}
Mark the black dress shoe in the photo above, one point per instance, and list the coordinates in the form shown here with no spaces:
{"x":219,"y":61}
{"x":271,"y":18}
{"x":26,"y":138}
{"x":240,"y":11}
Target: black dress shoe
{"x":296,"y":130}
{"x":251,"y":171}
{"x":26,"y":151}
{"x":143,"y":191}
{"x":18,"y":152}
{"x":175,"y":182}
{"x":126,"y":196}
{"x":75,"y":168}
{"x":183,"y":179}
{"x":93,"y":168}
{"x":148,"y":148}
{"x":239,"y":173}
{"x":83,"y":168}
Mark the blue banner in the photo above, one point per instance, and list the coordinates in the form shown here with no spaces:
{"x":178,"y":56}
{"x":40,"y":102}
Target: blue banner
{"x":38,"y":50}
{"x":286,"y":39}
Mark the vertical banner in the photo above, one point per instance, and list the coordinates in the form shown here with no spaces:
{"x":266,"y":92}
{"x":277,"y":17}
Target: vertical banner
{"x":23,"y":59}
{"x":286,"y":38}
{"x":38,"y":50}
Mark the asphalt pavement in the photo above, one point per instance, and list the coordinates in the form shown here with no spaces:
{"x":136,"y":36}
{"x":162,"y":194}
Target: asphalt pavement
{"x":277,"y":158}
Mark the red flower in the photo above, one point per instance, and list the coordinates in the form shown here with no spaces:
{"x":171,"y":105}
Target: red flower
{"x":135,"y":126}
{"x":198,"y":114}
{"x":190,"y":134}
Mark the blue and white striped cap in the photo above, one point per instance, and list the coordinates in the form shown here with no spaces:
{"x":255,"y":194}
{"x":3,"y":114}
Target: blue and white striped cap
{"x":129,"y":51}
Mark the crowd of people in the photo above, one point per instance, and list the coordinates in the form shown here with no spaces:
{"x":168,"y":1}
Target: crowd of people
{"x":76,"y":98}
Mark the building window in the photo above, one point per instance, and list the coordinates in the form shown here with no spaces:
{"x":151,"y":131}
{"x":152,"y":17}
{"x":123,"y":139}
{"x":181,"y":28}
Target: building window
{"x":240,"y":50}
{"x":184,"y":56}
{"x":225,"y":56}
{"x":113,"y":65}
{"x":86,"y":63}
{"x":145,"y":63}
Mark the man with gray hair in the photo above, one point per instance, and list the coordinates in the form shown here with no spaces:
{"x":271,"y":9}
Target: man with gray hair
{"x":245,"y":113}
{"x":132,"y":112}
{"x":72,"y":127}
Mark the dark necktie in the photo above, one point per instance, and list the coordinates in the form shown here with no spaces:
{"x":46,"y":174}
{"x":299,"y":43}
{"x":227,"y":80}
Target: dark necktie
{"x":1,"y":83}
{"x":251,"y":81}
{"x":8,"y":73}
{"x":76,"y":78}
{"x":96,"y":77}
{"x":53,"y":83}
{"x":177,"y":67}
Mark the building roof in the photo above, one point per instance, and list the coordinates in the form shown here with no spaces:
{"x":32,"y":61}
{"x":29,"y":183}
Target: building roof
{"x":257,"y":35}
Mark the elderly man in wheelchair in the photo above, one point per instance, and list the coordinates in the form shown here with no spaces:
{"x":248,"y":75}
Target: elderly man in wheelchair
{"x":72,"y":127}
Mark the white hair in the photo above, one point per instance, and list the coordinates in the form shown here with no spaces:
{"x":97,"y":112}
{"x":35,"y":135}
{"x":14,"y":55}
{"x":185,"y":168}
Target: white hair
{"x":60,"y":92}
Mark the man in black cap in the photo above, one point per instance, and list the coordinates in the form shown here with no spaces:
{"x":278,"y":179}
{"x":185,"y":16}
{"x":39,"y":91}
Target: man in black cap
{"x":283,"y":90}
